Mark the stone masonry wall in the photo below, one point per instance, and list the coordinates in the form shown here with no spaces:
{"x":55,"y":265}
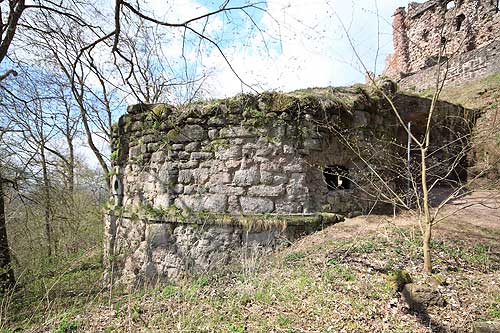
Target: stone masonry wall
{"x":451,"y":27}
{"x":460,"y":70}
{"x":201,"y":186}
{"x":238,"y":158}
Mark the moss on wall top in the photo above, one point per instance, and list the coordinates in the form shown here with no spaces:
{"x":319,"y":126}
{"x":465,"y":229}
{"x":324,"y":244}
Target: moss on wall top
{"x":313,"y":101}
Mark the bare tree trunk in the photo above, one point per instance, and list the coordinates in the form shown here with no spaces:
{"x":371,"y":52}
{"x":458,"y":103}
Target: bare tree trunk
{"x":7,"y":279}
{"x":426,"y":240}
{"x":46,"y":191}
{"x":71,"y":169}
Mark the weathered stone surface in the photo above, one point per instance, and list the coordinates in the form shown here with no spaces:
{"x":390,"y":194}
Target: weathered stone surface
{"x":185,"y":176}
{"x":190,"y":189}
{"x":178,"y":189}
{"x":193,"y":146}
{"x":183,"y":155}
{"x":216,"y":121}
{"x":295,"y":165}
{"x":468,"y":30}
{"x":297,"y":185}
{"x":188,"y":133}
{"x":486,"y":327}
{"x":233,"y":203}
{"x":134,"y":151}
{"x":177,"y":146}
{"x":220,"y":178}
{"x":201,"y":156}
{"x":236,"y":132}
{"x":190,"y":202}
{"x":213,"y":134}
{"x":158,"y":156}
{"x":200,"y":175}
{"x":215,"y":202}
{"x":227,"y":153}
{"x":232,"y":164}
{"x":256,"y":205}
{"x":312,"y":144}
{"x":188,"y":165}
{"x":266,"y":177}
{"x":419,"y":296}
{"x":288,"y":206}
{"x":228,"y":170}
{"x":266,"y":191}
{"x":227,"y":189}
{"x":246,"y":177}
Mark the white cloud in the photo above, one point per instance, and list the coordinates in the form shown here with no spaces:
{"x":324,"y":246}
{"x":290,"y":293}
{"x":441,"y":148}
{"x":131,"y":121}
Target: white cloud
{"x":313,"y":50}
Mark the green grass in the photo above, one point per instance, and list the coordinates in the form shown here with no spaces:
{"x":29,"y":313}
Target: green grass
{"x":333,"y":285}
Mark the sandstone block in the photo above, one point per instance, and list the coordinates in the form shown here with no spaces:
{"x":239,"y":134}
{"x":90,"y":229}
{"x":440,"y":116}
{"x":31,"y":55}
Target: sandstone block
{"x":215,"y":202}
{"x":183,"y":155}
{"x":188,"y":133}
{"x":192,"y":202}
{"x":295,"y":165}
{"x":233,"y":152}
{"x":246,"y":177}
{"x":216,"y":121}
{"x":266,"y":191}
{"x":236,"y":132}
{"x":256,"y":205}
{"x":177,"y":146}
{"x":189,"y":165}
{"x":213,"y":134}
{"x":288,"y":205}
{"x":200,"y":175}
{"x":201,"y":156}
{"x":227,"y":189}
{"x":158,"y":156}
{"x":220,"y":178}
{"x":193,"y":146}
{"x":185,"y":176}
{"x":266,"y":177}
{"x":420,"y":296}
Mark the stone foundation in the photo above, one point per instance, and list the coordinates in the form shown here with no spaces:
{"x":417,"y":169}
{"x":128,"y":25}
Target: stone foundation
{"x":156,"y":250}
{"x":196,"y":186}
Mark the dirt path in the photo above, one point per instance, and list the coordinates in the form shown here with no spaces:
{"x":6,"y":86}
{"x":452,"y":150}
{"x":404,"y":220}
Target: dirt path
{"x":474,"y":214}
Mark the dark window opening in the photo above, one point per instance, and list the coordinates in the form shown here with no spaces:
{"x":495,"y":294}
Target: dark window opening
{"x":425,"y":35}
{"x":337,"y":177}
{"x":116,"y":185}
{"x":434,"y":60}
{"x":459,"y":20}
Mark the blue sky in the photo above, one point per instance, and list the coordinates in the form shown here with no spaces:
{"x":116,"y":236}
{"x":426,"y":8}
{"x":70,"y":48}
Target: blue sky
{"x":300,"y":43}
{"x":294,"y":44}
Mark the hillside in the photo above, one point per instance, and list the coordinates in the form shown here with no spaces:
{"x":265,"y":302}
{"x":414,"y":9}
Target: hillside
{"x":484,"y":95}
{"x":341,"y":279}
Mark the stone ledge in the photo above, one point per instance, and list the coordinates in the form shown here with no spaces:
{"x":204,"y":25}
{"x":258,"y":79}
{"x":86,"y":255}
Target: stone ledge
{"x":250,"y":222}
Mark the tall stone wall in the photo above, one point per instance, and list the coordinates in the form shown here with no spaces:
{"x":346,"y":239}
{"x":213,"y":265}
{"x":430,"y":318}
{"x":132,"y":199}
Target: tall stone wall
{"x":435,"y":27}
{"x":459,"y":70}
{"x":200,"y":186}
{"x":247,"y":157}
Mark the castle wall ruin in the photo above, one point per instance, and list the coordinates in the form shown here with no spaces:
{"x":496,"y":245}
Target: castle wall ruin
{"x":441,"y":31}
{"x":200,"y":186}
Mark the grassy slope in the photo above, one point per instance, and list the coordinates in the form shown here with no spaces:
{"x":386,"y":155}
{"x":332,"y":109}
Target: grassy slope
{"x":482,"y":94}
{"x":338,"y":280}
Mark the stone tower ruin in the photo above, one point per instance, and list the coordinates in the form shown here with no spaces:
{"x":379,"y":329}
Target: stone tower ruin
{"x":197,"y":187}
{"x":463,"y":34}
